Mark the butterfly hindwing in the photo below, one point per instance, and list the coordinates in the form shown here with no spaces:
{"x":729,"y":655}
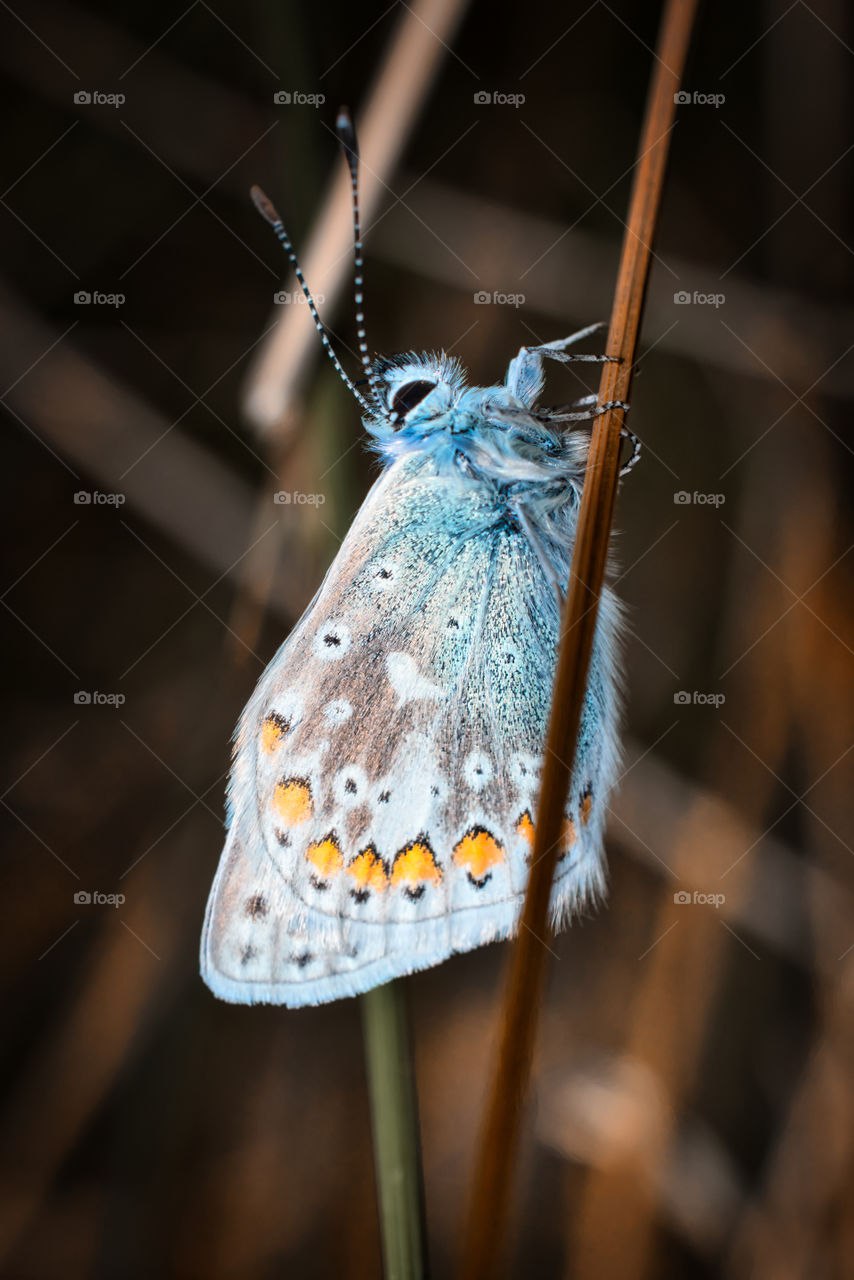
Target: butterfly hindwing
{"x":387,"y":766}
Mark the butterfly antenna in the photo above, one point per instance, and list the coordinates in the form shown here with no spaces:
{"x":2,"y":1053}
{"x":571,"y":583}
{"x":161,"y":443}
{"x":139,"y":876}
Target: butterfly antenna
{"x":268,"y":211}
{"x":347,"y":137}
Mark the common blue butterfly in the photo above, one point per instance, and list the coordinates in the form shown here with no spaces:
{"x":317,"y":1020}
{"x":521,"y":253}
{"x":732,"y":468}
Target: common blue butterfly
{"x":384,"y":789}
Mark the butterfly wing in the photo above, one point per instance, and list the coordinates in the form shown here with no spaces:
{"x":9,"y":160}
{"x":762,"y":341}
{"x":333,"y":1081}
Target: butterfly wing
{"x":387,"y":765}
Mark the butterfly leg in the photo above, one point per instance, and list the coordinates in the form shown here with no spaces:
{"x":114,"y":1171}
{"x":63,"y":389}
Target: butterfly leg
{"x":525,"y":376}
{"x":560,"y":343}
{"x":625,"y":435}
{"x":581,"y":410}
{"x":635,"y":453}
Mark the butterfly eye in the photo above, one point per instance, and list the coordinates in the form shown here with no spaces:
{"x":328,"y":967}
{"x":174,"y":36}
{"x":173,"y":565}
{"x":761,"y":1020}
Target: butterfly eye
{"x":408,"y":396}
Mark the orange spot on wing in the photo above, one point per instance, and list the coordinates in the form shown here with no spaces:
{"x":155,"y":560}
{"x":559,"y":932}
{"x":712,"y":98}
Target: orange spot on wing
{"x":477,"y":852}
{"x":292,"y":801}
{"x":368,"y":871}
{"x":525,"y":828}
{"x":415,"y":864}
{"x":273,"y":731}
{"x":586,"y":807}
{"x":325,"y":856}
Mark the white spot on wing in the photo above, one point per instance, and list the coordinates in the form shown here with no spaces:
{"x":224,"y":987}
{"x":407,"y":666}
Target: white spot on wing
{"x":509,"y":659}
{"x":477,"y":770}
{"x":406,"y":681}
{"x":383,"y":574}
{"x":337,"y":711}
{"x":382,"y":793}
{"x":351,"y":786}
{"x":525,"y":771}
{"x":332,"y":641}
{"x":437,"y":789}
{"x":289,"y":705}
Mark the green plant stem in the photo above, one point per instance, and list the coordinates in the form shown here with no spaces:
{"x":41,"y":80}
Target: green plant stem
{"x":394,"y":1121}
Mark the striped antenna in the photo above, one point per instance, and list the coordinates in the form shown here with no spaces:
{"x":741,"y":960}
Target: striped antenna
{"x":268,"y":211}
{"x":347,"y":137}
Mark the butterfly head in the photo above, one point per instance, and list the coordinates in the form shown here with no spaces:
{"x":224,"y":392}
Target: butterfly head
{"x":425,"y":396}
{"x":415,"y":395}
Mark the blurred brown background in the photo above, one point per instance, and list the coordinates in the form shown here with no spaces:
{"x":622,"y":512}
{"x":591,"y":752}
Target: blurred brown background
{"x":692,"y":1107}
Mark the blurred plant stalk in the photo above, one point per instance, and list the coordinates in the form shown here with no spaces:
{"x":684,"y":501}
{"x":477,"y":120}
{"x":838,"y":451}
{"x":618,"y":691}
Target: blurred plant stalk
{"x":278,"y":375}
{"x":394,"y":1125}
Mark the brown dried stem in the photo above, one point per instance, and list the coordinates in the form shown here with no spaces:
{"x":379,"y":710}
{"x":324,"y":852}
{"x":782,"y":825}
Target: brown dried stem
{"x":495,"y":1161}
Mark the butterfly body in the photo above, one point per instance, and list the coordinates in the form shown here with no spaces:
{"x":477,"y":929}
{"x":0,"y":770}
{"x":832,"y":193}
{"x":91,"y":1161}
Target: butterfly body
{"x":384,"y":789}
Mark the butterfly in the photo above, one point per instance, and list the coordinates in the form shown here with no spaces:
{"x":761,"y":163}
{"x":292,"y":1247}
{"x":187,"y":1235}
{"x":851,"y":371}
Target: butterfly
{"x":386,"y":769}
